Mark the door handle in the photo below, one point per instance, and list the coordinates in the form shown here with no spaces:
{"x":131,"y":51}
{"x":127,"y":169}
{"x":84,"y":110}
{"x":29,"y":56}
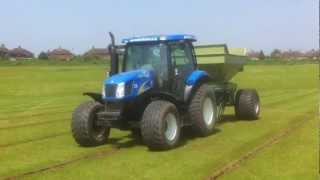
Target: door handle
{"x":176,"y":71}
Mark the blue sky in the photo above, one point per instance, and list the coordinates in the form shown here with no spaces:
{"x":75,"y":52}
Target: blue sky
{"x":80,"y":24}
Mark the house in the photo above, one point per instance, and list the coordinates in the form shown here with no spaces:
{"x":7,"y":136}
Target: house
{"x":60,"y":54}
{"x":102,"y":53}
{"x":4,"y":52}
{"x":20,"y":53}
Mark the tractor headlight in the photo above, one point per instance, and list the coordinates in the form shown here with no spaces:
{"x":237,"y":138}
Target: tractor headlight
{"x":120,"y":90}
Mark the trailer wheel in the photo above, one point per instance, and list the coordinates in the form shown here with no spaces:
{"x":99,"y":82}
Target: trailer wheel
{"x":85,"y":131}
{"x":160,"y":125}
{"x":203,"y":110}
{"x":247,"y":104}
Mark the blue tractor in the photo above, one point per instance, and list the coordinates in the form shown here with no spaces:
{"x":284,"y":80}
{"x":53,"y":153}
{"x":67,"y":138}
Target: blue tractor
{"x":158,"y":87}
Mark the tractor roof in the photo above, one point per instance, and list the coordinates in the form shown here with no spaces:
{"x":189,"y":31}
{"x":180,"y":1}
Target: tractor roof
{"x":155,"y":38}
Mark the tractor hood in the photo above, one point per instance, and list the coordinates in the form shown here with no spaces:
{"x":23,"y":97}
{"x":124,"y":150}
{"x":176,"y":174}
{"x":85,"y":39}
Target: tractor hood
{"x":128,"y":85}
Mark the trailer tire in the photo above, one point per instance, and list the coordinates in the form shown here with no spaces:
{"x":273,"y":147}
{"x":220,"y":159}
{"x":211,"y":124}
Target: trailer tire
{"x":160,"y":125}
{"x":247,"y":104}
{"x":203,"y":110}
{"x":84,"y":130}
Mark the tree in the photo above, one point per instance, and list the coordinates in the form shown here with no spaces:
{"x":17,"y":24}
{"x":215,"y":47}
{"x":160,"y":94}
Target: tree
{"x":276,"y":53}
{"x":261,"y":55}
{"x":43,"y":56}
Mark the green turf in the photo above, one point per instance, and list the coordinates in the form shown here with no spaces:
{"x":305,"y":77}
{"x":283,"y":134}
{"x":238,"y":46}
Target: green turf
{"x":293,"y":158}
{"x":37,"y":102}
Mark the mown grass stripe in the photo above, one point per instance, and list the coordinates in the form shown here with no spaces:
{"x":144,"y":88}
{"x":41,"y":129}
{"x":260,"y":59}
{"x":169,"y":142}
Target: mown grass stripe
{"x":96,"y":155}
{"x":230,"y":166}
{"x":290,"y":98}
{"x":82,"y":158}
{"x":25,"y":107}
{"x":30,"y":124}
{"x":54,"y":121}
{"x":36,"y":115}
{"x":33,"y":140}
{"x":270,"y":104}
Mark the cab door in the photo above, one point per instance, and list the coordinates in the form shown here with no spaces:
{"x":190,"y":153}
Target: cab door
{"x":182,"y":65}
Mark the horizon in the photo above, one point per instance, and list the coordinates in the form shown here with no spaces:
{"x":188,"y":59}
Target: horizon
{"x":78,"y":26}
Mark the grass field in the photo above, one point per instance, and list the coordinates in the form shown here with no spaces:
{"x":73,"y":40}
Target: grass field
{"x":36,"y":103}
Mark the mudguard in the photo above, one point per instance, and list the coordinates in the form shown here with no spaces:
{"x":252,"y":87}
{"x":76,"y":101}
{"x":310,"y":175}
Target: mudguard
{"x":193,"y":80}
{"x":95,"y":96}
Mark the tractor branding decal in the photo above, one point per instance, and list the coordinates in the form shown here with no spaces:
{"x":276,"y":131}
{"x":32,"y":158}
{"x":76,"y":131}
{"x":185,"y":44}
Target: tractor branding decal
{"x":144,"y":87}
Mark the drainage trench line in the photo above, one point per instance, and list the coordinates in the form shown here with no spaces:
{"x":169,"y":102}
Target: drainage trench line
{"x":232,"y":165}
{"x":33,"y":140}
{"x":32,"y":124}
{"x":97,"y":155}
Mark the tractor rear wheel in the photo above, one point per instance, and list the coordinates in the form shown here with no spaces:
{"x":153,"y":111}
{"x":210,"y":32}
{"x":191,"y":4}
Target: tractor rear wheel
{"x":160,"y":125}
{"x":203,"y":110}
{"x":247,"y":104}
{"x":84,"y":126}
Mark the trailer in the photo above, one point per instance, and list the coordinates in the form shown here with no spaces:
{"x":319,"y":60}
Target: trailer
{"x":162,"y":84}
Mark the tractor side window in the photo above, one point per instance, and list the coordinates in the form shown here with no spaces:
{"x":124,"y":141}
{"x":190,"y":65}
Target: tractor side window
{"x":144,"y":57}
{"x":181,"y":55}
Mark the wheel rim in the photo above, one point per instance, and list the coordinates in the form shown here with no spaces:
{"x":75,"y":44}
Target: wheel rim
{"x":171,"y":126}
{"x":207,"y":111}
{"x":257,"y":108}
{"x":98,"y":132}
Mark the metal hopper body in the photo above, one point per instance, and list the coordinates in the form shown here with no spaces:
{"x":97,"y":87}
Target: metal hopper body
{"x":219,"y":61}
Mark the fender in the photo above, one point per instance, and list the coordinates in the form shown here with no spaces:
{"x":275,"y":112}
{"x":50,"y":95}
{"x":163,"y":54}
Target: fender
{"x":95,"y":96}
{"x":194,"y":79}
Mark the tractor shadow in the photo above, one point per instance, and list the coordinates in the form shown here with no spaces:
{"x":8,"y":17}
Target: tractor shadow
{"x":231,"y":118}
{"x":187,"y":135}
{"x":127,"y":141}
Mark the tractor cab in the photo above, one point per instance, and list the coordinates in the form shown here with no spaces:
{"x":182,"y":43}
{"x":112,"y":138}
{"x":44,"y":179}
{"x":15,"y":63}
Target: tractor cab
{"x":160,"y":63}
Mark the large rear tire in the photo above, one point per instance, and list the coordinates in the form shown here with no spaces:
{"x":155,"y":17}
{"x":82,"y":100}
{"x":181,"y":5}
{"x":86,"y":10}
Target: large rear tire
{"x":247,"y":104}
{"x":203,"y":110}
{"x":160,"y":125}
{"x":85,"y":131}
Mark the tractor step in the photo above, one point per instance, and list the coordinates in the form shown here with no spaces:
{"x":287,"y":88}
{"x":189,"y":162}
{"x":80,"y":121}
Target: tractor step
{"x":113,"y":116}
{"x":108,"y":116}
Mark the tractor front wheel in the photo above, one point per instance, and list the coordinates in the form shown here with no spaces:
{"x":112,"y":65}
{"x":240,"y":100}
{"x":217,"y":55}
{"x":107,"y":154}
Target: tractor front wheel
{"x":160,"y":125}
{"x":84,"y":126}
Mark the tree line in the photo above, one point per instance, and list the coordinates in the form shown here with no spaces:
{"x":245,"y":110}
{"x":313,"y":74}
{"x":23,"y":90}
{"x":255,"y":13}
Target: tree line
{"x":285,"y":54}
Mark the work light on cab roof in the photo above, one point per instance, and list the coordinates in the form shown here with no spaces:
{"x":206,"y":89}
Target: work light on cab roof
{"x":155,"y":38}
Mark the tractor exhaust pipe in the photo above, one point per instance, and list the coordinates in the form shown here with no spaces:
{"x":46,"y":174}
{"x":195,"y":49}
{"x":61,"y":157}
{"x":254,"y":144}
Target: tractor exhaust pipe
{"x":114,"y":56}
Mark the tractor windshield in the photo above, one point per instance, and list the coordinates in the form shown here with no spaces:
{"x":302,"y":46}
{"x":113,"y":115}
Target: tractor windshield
{"x":146,"y":56}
